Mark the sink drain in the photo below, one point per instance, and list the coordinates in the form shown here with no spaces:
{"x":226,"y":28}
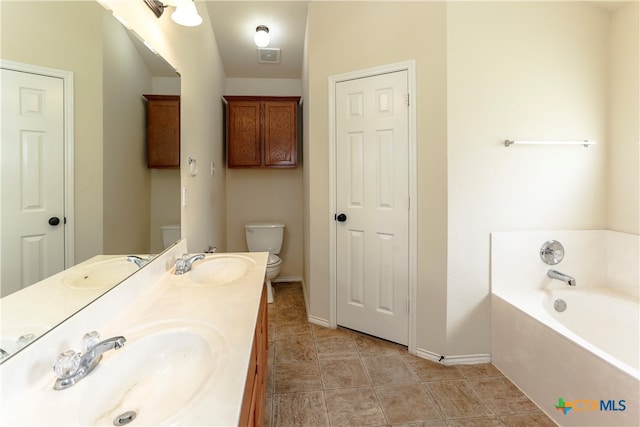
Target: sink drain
{"x":125,"y":418}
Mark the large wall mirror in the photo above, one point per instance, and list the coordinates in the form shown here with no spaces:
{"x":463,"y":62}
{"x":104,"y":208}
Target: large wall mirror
{"x":113,"y":204}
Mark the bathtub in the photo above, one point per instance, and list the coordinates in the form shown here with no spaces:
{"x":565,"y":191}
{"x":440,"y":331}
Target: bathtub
{"x":586,"y":355}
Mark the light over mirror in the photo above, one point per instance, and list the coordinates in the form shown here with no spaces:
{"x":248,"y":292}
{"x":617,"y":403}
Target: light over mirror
{"x":77,"y":197}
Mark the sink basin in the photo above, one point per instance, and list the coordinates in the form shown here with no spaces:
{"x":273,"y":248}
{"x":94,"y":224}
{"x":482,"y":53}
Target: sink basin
{"x":220,"y":269}
{"x":99,"y":275}
{"x":155,"y":375}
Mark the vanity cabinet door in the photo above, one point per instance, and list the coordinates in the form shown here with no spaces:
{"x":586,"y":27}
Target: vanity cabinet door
{"x":252,"y":411}
{"x":262,"y":132}
{"x":163,"y":131}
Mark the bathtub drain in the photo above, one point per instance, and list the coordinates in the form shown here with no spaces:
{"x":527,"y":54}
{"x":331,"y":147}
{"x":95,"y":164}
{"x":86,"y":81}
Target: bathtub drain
{"x":560,"y":305}
{"x":124,"y":418}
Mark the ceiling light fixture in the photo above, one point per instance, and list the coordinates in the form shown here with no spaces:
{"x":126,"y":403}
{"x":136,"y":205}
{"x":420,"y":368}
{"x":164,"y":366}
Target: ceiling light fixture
{"x":261,"y":37}
{"x":185,"y":14}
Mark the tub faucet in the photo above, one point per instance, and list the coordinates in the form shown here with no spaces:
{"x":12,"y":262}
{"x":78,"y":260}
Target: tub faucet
{"x":184,"y":264}
{"x":555,"y":274}
{"x":71,"y":367}
{"x":140,"y":262}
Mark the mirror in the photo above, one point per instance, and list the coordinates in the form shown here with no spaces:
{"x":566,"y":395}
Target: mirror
{"x":114,"y":198}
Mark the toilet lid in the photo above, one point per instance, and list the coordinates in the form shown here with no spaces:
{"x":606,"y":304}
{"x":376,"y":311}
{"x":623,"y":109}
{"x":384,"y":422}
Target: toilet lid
{"x":273,"y":259}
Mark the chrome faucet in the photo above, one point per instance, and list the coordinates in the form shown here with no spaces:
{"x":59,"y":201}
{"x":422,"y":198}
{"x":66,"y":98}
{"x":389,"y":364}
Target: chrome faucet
{"x":71,"y":367}
{"x":184,"y":264}
{"x":140,"y":262}
{"x":555,"y":274}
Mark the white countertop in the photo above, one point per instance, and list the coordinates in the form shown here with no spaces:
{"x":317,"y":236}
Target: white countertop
{"x":155,"y":297}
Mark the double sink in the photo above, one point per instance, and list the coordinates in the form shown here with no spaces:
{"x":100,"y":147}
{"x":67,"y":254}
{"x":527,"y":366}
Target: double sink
{"x":184,"y":360}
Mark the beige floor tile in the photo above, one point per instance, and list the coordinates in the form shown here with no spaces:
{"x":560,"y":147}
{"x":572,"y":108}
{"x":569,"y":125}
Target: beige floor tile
{"x":538,"y":419}
{"x":267,"y":415}
{"x":502,"y":396}
{"x":297,"y":377}
{"x":354,"y":407}
{"x":368,"y":345}
{"x":322,"y":332}
{"x":343,"y":372}
{"x":299,"y":409}
{"x":427,"y":370}
{"x":430,"y":423}
{"x":291,"y":315}
{"x":476,"y":422}
{"x":406,"y":403}
{"x":295,"y":350}
{"x":390,"y":369}
{"x":480,"y":370}
{"x":457,"y":399}
{"x":336,"y":347}
{"x":293,"y":330}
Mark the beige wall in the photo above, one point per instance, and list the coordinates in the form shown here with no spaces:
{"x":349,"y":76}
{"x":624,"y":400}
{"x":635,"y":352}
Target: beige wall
{"x":127,"y":180}
{"x":339,"y":40}
{"x":267,"y":194}
{"x":624,"y":122}
{"x":505,"y":83}
{"x":486,"y":71}
{"x":63,"y":35}
{"x":194,"y":53}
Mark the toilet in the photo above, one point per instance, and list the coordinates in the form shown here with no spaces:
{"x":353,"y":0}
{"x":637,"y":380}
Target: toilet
{"x":266,"y":237}
{"x":170,"y":234}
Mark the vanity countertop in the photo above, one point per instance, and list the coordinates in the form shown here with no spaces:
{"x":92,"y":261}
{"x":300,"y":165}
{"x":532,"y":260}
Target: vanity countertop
{"x":228,"y":310}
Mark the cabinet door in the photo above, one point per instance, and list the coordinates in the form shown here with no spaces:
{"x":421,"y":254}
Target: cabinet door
{"x":163,"y":131}
{"x":243,"y":134}
{"x":280,"y":134}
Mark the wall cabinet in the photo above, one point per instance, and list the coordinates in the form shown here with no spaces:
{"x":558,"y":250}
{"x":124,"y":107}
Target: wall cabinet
{"x":252,"y":412}
{"x":262,"y":132}
{"x":163,"y":131}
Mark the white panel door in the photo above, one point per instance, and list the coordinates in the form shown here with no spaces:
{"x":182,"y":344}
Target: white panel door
{"x":32,"y":159}
{"x":372,"y":194}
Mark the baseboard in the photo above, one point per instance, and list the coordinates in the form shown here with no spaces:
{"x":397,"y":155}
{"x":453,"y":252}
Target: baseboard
{"x":285,"y":279}
{"x":469,"y":359}
{"x":318,"y":321}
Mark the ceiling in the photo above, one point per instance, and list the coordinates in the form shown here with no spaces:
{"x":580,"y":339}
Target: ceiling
{"x":235,"y":22}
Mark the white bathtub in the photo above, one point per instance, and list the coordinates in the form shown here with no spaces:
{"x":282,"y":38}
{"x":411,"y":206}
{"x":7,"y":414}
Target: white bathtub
{"x":587,"y":355}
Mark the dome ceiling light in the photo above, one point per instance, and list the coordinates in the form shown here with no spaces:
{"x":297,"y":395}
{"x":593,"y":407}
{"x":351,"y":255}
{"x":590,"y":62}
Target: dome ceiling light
{"x":261,"y":37}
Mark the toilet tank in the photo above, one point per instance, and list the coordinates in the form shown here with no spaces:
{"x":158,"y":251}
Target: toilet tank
{"x":264,"y":236}
{"x":170,"y":234}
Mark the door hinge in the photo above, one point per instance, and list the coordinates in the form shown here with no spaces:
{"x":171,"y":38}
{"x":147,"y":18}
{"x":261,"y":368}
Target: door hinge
{"x":407,"y":100}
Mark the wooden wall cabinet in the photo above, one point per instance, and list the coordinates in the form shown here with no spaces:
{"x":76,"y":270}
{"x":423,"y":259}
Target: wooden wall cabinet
{"x":163,"y":131}
{"x":262,"y":132}
{"x":252,"y":411}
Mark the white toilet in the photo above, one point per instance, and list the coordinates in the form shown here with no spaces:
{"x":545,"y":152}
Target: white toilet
{"x":266,"y":237}
{"x":170,"y":234}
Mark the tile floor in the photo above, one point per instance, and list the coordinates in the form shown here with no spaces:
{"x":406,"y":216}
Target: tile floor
{"x":325,"y":377}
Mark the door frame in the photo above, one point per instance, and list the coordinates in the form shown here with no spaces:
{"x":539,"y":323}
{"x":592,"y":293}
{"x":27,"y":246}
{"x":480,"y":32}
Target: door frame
{"x":410,"y":67}
{"x":68,"y":108}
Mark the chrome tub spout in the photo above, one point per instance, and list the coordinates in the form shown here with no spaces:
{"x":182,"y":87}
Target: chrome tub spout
{"x":555,"y":274}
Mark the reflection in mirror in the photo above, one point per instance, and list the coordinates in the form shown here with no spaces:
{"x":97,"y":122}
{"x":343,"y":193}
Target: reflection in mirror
{"x":111,"y":203}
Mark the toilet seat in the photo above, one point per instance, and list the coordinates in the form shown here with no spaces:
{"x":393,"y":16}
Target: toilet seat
{"x":273,"y":260}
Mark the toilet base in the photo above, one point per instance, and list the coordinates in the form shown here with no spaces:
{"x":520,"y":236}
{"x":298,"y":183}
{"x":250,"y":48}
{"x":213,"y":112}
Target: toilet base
{"x":269,"y":292}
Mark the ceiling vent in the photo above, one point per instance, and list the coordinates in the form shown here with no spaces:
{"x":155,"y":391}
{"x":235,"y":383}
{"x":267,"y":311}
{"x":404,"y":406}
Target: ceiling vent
{"x":268,"y":55}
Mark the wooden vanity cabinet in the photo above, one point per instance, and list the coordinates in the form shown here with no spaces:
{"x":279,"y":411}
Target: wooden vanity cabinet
{"x":262,"y":132}
{"x":252,"y":412}
{"x":163,"y":131}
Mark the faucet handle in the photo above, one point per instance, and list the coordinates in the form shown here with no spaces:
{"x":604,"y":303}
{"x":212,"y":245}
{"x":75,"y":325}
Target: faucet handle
{"x":67,"y":364}
{"x":89,"y":340}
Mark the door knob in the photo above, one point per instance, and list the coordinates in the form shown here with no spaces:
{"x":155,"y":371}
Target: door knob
{"x":54,"y":220}
{"x":341,"y":217}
